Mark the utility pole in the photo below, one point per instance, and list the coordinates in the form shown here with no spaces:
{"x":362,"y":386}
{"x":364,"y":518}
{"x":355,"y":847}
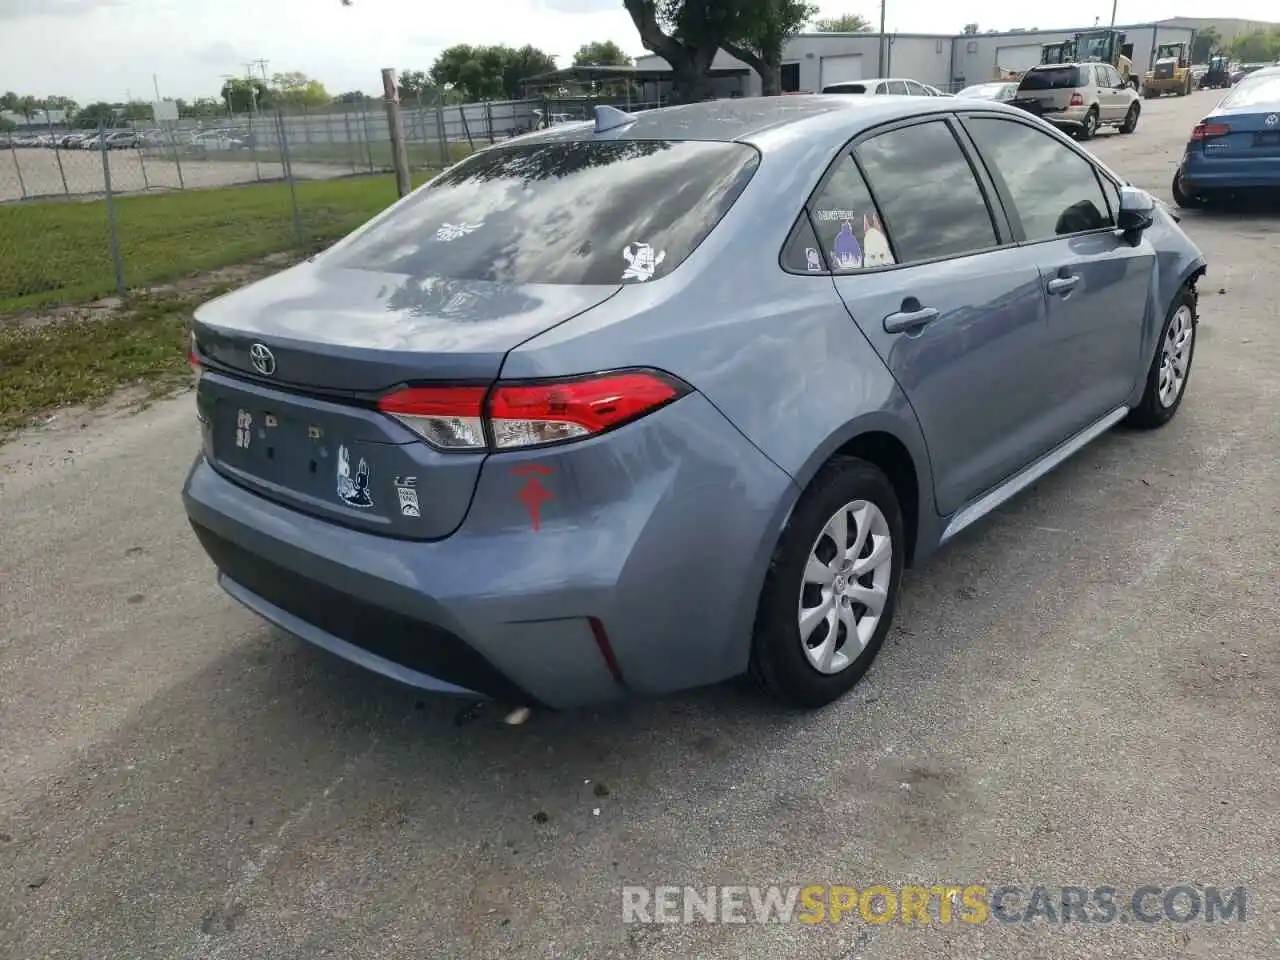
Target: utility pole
{"x":399,"y":158}
{"x":155,"y":81}
{"x":880,"y":44}
{"x":1114,"y":4}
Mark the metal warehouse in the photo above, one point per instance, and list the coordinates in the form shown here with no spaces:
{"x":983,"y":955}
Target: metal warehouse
{"x":813,"y":60}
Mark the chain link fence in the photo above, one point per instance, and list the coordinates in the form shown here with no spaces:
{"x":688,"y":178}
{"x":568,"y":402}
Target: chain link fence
{"x":85,"y":213}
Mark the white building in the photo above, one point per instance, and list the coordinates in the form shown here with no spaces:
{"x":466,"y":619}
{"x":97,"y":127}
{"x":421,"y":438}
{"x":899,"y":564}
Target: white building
{"x":946,"y":61}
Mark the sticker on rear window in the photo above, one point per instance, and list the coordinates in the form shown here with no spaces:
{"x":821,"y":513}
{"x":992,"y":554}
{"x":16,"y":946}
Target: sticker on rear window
{"x":642,"y":261}
{"x":847,"y":254}
{"x":875,"y":243}
{"x":452,"y":231}
{"x":822,"y":215}
{"x":353,"y":490}
{"x":812,"y":260}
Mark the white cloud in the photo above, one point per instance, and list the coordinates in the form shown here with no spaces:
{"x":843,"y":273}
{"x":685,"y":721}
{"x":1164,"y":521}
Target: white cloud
{"x":107,"y":49}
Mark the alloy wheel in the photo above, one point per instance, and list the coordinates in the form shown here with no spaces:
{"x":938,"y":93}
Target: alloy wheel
{"x":845,"y":586}
{"x":1175,"y":356}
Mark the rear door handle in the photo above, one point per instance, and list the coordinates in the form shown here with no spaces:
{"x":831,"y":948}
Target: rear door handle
{"x":1063,"y":284}
{"x":909,"y":319}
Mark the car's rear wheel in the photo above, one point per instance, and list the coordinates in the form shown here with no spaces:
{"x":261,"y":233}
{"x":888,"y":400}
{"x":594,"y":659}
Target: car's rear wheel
{"x":1090,"y":125}
{"x":1170,"y":367}
{"x":1131,"y":119}
{"x":832,"y":587}
{"x":1187,"y":201}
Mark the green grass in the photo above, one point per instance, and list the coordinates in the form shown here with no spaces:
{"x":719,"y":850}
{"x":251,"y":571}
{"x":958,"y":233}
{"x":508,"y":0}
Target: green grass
{"x":60,"y":252}
{"x":77,"y":361}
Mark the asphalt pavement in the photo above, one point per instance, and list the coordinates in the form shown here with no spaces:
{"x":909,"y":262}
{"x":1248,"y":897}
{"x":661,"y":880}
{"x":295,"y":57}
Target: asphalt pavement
{"x":1083,"y":690}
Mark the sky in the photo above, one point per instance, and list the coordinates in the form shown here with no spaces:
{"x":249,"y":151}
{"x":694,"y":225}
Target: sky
{"x":111,"y":49}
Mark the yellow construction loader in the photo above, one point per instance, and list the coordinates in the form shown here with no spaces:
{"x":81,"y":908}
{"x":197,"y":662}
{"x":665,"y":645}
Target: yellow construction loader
{"x":1170,"y":73}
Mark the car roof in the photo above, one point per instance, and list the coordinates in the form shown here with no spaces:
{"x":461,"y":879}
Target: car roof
{"x":792,"y":128}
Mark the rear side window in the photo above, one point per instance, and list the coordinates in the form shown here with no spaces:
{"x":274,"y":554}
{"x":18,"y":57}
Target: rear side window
{"x":848,"y":224}
{"x":802,"y":254}
{"x":566,"y":212}
{"x":898,"y":88}
{"x":1069,"y":202}
{"x":1054,"y":78}
{"x":928,"y":194}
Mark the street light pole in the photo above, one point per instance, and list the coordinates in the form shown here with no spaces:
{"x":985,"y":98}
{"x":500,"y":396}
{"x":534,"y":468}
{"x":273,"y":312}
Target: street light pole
{"x":1114,"y":4}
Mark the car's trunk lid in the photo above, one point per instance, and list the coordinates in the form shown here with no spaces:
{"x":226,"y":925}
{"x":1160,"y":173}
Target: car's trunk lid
{"x":1250,"y":136}
{"x":303,"y":429}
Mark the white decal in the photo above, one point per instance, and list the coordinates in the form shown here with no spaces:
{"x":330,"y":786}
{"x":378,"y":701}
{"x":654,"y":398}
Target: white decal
{"x":244,"y":429}
{"x":642,"y":261}
{"x":875,"y":244}
{"x":812,"y":261}
{"x":452,"y":231}
{"x":269,"y":421}
{"x":353,"y":490}
{"x":406,"y":490}
{"x":834,"y":215}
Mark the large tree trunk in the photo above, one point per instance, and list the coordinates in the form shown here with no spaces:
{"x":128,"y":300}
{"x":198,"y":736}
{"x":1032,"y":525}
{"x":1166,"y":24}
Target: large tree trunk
{"x":689,"y":62}
{"x":768,"y":68}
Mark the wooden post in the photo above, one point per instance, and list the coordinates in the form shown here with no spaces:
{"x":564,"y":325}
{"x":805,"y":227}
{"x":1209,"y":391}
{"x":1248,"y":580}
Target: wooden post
{"x":399,"y":159}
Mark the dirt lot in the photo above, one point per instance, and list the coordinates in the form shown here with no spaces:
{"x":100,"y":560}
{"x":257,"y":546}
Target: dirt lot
{"x":49,"y":173}
{"x":1083,"y":690}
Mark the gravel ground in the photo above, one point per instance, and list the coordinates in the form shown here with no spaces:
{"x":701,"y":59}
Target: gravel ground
{"x":1083,"y":690}
{"x":78,"y":173}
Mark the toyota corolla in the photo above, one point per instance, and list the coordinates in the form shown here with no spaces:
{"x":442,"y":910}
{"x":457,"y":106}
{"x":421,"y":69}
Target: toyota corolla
{"x":641,"y":405}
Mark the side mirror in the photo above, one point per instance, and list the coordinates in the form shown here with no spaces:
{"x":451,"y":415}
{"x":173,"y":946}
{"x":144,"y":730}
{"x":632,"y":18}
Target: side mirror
{"x":1137,"y":210}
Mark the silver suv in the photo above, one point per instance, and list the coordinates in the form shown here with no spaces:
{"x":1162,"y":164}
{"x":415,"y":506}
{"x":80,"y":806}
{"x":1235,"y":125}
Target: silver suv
{"x":1080,"y":97}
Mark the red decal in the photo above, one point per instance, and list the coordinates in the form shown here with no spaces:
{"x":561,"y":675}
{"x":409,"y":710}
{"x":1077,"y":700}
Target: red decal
{"x":533,"y":493}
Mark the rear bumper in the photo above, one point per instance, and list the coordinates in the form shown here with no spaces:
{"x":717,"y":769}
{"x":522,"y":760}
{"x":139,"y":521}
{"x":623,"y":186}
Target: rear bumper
{"x":1197,"y":173}
{"x":650,"y":592}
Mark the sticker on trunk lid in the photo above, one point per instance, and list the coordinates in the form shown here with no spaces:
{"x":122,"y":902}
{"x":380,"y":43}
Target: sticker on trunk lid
{"x":406,"y":490}
{"x":244,"y":429}
{"x":353,"y":490}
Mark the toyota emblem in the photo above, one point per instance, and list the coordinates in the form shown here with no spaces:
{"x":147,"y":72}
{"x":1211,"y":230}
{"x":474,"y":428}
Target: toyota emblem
{"x":264,"y":361}
{"x":1273,"y":119}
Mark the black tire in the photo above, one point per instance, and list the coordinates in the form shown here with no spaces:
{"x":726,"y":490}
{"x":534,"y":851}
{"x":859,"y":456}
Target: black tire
{"x":1185,"y":200}
{"x":1090,"y":125}
{"x":1150,"y":412}
{"x":1131,"y":119}
{"x":778,"y":659}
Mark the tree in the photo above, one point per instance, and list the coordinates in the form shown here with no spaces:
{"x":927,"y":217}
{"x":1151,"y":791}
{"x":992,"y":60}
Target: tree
{"x":28,"y":107}
{"x":96,"y":115}
{"x":849,"y":23}
{"x":686,"y":34}
{"x":1208,"y":41}
{"x":1256,"y":45}
{"x":243,"y":95}
{"x":296,"y":89}
{"x":601,"y":53}
{"x":6,"y":125}
{"x":765,"y":28}
{"x":489,"y":72}
{"x":970,"y":29}
{"x":9,"y":101}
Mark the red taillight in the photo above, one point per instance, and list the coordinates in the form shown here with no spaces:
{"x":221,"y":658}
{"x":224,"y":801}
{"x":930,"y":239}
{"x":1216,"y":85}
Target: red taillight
{"x":1077,"y":100}
{"x":1207,"y":131}
{"x":451,"y":418}
{"x":193,"y":354}
{"x":528,"y":414}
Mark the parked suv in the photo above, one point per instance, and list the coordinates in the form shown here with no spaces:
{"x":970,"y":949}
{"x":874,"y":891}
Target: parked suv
{"x":1080,"y":97}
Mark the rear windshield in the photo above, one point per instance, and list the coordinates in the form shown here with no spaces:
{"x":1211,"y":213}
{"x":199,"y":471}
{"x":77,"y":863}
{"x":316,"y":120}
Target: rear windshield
{"x":846,"y":88}
{"x":1256,"y":92}
{"x":567,"y":212}
{"x":1055,"y":78}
